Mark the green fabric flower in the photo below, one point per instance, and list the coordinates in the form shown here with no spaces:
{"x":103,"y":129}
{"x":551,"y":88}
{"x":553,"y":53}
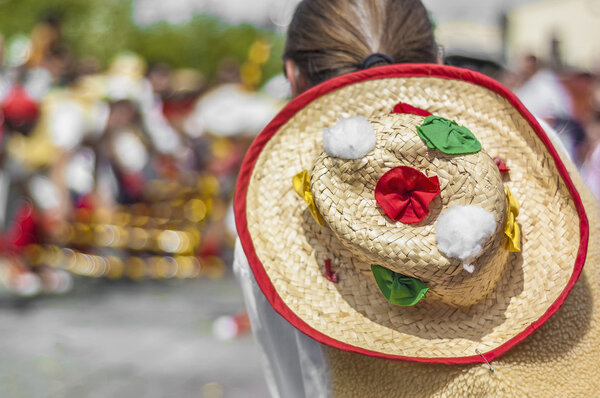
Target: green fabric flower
{"x":447,"y":136}
{"x":397,"y":288}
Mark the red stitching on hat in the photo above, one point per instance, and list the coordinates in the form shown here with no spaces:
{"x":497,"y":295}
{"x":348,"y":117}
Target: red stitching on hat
{"x":329,"y":274}
{"x":402,"y":107}
{"x":501,"y":165}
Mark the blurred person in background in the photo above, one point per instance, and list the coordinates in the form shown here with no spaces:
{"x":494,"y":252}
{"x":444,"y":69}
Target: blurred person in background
{"x":45,"y":38}
{"x":75,"y":141}
{"x":327,"y":39}
{"x":591,"y":163}
{"x":50,"y":62}
{"x":222,"y":124}
{"x":545,"y":95}
{"x":31,"y":203}
{"x":186,"y":86}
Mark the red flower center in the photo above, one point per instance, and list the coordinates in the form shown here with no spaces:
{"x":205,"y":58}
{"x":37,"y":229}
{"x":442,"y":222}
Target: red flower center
{"x":404,"y":194}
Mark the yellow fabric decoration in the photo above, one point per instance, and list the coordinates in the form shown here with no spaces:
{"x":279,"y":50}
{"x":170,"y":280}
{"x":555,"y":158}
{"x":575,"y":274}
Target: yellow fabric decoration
{"x":511,"y":228}
{"x":301,"y":183}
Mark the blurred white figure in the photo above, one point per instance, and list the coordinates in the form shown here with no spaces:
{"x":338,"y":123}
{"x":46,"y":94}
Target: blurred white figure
{"x":545,"y":97}
{"x":130,"y":153}
{"x":67,"y":124}
{"x":278,"y":87}
{"x":230,"y":110}
{"x":125,"y":81}
{"x":591,"y":171}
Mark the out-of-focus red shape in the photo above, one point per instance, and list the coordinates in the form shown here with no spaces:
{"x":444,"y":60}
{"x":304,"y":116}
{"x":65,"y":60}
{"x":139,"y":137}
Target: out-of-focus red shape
{"x":22,"y":232}
{"x":401,"y":107}
{"x":19,"y":108}
{"x":501,"y":165}
{"x":133,"y":183}
{"x":1,"y":124}
{"x":404,"y":194}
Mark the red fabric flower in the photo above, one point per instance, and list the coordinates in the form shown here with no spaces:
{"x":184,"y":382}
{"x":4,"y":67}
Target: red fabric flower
{"x":401,"y":107}
{"x":501,"y":165}
{"x":404,"y":194}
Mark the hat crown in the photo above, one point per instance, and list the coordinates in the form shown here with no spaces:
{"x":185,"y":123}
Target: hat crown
{"x":344,"y":191}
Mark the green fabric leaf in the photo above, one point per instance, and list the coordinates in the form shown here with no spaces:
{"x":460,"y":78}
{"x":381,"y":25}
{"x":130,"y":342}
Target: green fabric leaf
{"x":397,"y":288}
{"x":447,"y":136}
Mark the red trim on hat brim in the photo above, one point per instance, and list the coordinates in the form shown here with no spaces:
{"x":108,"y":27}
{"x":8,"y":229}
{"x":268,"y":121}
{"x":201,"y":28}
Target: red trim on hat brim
{"x":383,"y":72}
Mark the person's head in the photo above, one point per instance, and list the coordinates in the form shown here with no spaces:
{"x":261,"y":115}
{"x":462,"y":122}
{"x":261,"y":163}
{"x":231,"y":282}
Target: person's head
{"x":528,"y":67}
{"x":160,"y":76}
{"x":328,"y":38}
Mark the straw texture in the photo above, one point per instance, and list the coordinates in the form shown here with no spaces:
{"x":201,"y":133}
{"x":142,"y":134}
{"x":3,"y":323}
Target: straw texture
{"x":293,"y":249}
{"x":344,"y":193}
{"x":559,"y":360}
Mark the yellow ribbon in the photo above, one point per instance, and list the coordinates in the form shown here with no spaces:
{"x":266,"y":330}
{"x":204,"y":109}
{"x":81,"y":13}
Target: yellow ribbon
{"x":511,"y":228}
{"x":301,"y":183}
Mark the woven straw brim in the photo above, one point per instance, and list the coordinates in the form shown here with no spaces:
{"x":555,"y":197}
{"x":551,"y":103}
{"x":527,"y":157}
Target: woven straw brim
{"x":561,"y":359}
{"x":353,"y":312}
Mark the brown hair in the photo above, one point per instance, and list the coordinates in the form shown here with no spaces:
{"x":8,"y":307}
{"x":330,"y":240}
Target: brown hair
{"x":327,"y":38}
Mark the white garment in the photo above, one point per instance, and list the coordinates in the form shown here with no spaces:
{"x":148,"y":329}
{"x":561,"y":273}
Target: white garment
{"x":295,"y":365}
{"x":229,"y":110}
{"x":544,"y":96}
{"x":591,"y":171}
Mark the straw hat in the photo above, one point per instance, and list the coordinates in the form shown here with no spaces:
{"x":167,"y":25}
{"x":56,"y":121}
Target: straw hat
{"x":333,"y":281}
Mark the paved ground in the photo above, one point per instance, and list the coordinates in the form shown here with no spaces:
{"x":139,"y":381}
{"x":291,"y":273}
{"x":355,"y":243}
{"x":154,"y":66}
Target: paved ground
{"x":139,"y":340}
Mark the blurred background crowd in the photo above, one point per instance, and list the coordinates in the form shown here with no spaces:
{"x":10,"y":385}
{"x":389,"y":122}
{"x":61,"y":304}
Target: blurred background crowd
{"x":123,"y":123}
{"x":120,"y":152}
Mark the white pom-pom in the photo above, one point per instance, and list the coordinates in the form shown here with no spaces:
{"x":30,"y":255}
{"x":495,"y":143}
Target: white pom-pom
{"x":469,"y":267}
{"x":462,"y":231}
{"x":350,"y":138}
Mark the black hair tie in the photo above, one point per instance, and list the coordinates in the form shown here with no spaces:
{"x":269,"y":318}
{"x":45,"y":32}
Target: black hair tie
{"x":376,"y":58}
